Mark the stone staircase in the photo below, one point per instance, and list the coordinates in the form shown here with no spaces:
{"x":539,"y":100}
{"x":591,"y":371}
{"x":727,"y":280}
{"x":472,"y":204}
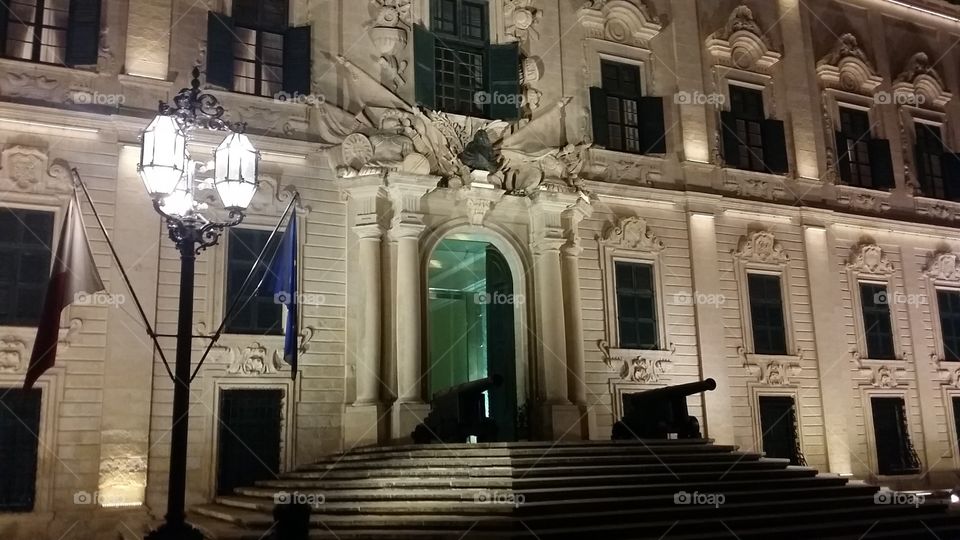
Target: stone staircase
{"x":689,"y":489}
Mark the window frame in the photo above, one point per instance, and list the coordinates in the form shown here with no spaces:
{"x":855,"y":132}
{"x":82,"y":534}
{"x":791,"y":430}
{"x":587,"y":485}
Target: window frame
{"x":866,"y":404}
{"x":921,"y":180}
{"x":863,"y":331}
{"x":227,"y":299}
{"x":37,"y":42}
{"x":783,"y":310}
{"x":458,"y":44}
{"x":856,"y":275}
{"x":936,"y":325}
{"x":658,"y":345}
{"x":259,"y":64}
{"x":17,"y":320}
{"x":745,"y":264}
{"x":621,"y":95}
{"x":862,"y":143}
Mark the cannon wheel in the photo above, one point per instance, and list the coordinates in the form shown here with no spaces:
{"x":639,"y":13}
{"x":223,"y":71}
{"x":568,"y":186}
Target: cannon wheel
{"x":422,"y":435}
{"x":487,"y":430}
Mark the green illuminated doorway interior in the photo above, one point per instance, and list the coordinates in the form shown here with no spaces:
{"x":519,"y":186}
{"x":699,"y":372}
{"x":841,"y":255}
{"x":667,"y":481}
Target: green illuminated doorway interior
{"x":470,"y":316}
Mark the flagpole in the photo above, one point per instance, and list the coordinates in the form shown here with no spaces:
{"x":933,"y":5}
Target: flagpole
{"x":246,"y":281}
{"x":123,"y":272}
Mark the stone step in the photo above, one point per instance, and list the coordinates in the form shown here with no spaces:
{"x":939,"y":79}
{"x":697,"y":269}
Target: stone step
{"x":540,"y":471}
{"x":520,"y":445}
{"x":500,"y":461}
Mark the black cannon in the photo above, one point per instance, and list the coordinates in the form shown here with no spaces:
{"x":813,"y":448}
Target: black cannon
{"x":458,"y":412}
{"x":655,"y":414}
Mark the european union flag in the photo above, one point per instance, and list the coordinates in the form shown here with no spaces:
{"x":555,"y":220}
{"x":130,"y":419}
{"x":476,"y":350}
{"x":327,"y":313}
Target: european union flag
{"x":284,"y":272}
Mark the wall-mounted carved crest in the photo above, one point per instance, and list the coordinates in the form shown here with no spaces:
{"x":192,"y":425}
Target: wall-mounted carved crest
{"x":621,"y":21}
{"x":761,"y":247}
{"x":846,"y":67}
{"x":943,"y":266}
{"x":920,"y":84}
{"x":27,"y":169}
{"x":741,"y":43}
{"x":772,"y":371}
{"x":879,"y":374}
{"x":632,"y":233}
{"x":868,"y":258}
{"x":642,"y":368}
{"x":13,"y":355}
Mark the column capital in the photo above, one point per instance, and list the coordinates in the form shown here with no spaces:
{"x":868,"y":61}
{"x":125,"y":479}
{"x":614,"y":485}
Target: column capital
{"x":368,"y":231}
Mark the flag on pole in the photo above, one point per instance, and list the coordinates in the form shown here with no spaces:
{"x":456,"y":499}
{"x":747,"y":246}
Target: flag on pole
{"x":74,"y":272}
{"x":284,"y":272}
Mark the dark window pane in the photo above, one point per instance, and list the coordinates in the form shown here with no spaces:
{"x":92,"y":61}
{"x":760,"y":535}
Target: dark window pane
{"x":877,"y":327}
{"x":256,"y":314}
{"x":636,"y":305}
{"x":621,"y":83}
{"x":19,"y":426}
{"x":948,"y":303}
{"x":25,"y":240}
{"x":766,"y":314}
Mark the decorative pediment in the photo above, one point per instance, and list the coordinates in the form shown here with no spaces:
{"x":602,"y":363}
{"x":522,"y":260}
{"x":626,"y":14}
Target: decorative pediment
{"x":761,"y":247}
{"x":868,"y":258}
{"x":649,"y":367}
{"x":27,"y":169}
{"x":880,"y":374}
{"x":622,"y":21}
{"x":920,"y":84}
{"x":256,"y":358}
{"x":943,"y":266}
{"x":632,"y":233}
{"x":846,"y":67}
{"x":15,"y":348}
{"x":741,"y":43}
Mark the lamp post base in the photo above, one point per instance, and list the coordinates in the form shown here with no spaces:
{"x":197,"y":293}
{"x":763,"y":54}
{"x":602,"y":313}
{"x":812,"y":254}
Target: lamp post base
{"x":170,"y":531}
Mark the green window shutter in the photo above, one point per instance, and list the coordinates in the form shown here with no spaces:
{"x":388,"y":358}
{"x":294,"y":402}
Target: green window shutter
{"x":220,"y":50}
{"x":951,"y":176}
{"x":503,"y":74}
{"x":598,"y":113}
{"x":843,"y":157}
{"x":731,"y":145}
{"x":881,"y":164}
{"x":424,"y":45}
{"x":83,"y":33}
{"x":774,"y":146}
{"x":296,"y":61}
{"x":652,"y":131}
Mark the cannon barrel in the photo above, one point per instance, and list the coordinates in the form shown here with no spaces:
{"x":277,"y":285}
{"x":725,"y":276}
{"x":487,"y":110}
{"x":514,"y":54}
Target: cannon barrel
{"x":478,"y":385}
{"x":687,"y":389}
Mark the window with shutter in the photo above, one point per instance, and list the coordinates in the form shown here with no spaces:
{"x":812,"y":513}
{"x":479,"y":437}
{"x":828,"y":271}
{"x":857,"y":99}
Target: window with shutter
{"x":928,"y":160}
{"x":258,"y":313}
{"x":624,"y":119}
{"x":636,"y":305}
{"x":743,"y":129}
{"x":64,"y":32}
{"x":24,"y":264}
{"x":853,"y":148}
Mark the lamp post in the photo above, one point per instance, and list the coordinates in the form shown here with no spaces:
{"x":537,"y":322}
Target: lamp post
{"x":170,"y":178}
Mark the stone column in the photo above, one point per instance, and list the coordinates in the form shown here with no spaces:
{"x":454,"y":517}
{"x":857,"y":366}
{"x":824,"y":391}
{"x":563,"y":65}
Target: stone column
{"x":362,"y":419}
{"x":833,"y":355}
{"x":558,"y":418}
{"x":409,"y":409}
{"x":718,"y":417}
{"x":573,"y":318}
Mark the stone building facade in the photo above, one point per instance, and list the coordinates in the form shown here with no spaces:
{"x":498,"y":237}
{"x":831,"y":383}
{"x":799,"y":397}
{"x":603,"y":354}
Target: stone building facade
{"x":759,"y":192}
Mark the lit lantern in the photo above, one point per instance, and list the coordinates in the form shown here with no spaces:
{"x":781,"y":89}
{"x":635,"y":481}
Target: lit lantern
{"x":163,"y":156}
{"x":179,"y":203}
{"x":236,"y":171}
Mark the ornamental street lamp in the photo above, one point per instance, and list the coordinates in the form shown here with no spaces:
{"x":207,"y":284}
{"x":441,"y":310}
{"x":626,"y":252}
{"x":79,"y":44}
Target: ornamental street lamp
{"x":170,"y":178}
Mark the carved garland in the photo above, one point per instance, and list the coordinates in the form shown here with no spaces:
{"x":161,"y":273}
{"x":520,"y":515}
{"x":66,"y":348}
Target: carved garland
{"x":256,"y":359}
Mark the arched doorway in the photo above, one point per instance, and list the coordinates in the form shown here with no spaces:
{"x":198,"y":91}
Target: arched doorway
{"x":471,"y":324}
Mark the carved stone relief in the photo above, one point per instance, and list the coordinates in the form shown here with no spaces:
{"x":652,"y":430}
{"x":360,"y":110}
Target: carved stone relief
{"x":620,"y":21}
{"x":920,"y":84}
{"x":754,"y":187}
{"x":879,"y":374}
{"x":389,"y":33}
{"x":868,"y":258}
{"x":943,"y":266}
{"x":846,"y":67}
{"x":647,"y":367}
{"x":29,"y":85}
{"x":742,"y":44}
{"x":633,"y":234}
{"x":15,"y":349}
{"x":772,"y":371}
{"x":862,"y":201}
{"x":255,"y":358}
{"x":27,"y":169}
{"x":761,"y":247}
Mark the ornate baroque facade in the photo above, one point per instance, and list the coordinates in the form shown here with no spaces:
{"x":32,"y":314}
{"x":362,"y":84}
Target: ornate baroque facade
{"x":385,"y":179}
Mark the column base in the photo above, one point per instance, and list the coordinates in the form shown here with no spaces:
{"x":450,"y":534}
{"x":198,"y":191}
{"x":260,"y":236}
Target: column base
{"x":588,"y":423}
{"x":561,"y":422}
{"x":404,"y":417}
{"x":364,"y":425}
